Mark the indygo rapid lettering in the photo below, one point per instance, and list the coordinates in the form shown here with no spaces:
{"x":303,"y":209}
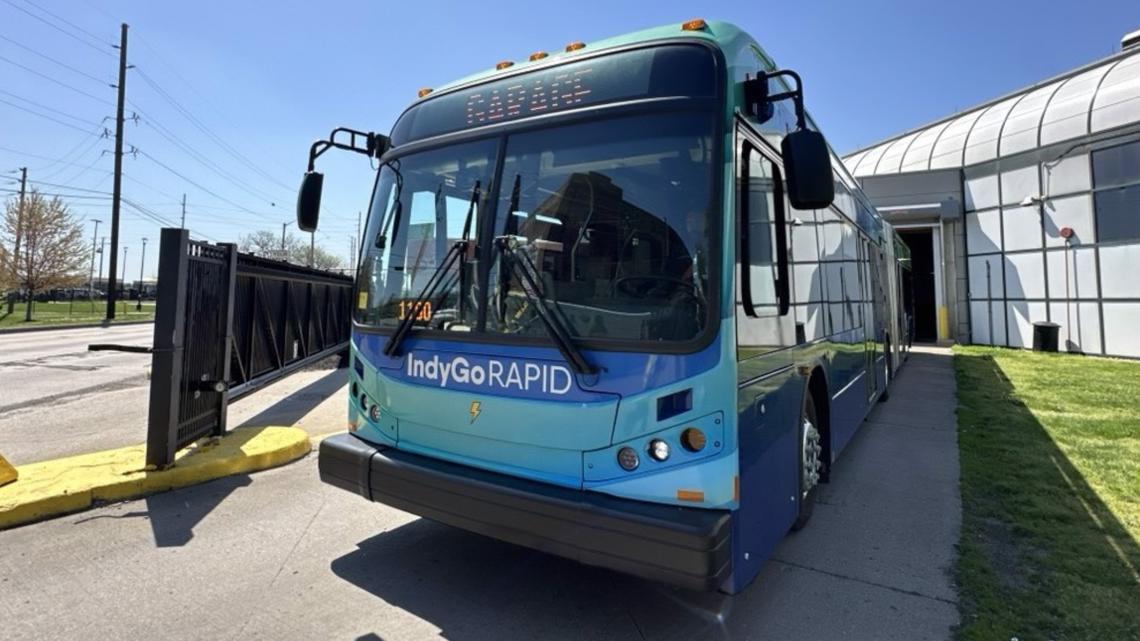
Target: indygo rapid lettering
{"x":521,"y":376}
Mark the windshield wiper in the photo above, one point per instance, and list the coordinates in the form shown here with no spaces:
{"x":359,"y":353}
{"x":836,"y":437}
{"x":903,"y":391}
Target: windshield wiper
{"x":522,"y":267}
{"x":391,"y":348}
{"x":458,"y":251}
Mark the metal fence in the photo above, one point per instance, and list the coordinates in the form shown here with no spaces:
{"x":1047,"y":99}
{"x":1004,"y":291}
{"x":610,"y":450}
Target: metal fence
{"x":227,"y":323}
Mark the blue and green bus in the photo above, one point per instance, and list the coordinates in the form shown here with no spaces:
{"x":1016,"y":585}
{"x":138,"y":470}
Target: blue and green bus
{"x":619,"y":303}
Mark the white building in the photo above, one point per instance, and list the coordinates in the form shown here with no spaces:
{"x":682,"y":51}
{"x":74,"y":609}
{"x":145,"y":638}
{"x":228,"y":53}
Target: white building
{"x":1028,"y":208}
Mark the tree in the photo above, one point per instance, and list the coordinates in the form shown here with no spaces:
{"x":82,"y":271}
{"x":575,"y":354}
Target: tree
{"x":267,"y":243}
{"x":53,"y":252}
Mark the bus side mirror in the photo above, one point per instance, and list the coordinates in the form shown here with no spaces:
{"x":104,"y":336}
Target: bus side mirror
{"x":309,"y":201}
{"x":807,"y":168}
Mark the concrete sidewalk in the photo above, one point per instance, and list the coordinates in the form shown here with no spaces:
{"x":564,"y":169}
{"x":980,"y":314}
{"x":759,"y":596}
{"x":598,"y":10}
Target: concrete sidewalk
{"x":278,"y":555}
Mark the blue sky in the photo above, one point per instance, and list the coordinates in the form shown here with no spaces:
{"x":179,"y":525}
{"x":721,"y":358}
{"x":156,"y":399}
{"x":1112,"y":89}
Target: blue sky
{"x":230,"y":94}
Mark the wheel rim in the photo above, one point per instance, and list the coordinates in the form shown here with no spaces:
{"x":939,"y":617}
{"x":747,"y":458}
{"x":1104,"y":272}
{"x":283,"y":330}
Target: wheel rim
{"x":811,"y":448}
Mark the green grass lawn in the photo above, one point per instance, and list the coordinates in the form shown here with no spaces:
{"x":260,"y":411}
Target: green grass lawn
{"x":1050,"y":461}
{"x":68,"y":313}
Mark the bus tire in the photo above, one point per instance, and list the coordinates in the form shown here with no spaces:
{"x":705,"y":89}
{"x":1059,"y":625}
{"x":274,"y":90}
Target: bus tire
{"x":810,"y":466}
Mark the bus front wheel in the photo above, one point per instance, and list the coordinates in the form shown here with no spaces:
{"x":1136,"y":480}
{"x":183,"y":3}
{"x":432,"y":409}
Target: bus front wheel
{"x":810,"y":462}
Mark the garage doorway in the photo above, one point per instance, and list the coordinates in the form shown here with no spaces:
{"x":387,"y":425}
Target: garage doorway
{"x":923,"y":296}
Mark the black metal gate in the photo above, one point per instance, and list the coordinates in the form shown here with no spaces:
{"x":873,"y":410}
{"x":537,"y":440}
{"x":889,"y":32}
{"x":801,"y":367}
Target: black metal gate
{"x":226,"y":324}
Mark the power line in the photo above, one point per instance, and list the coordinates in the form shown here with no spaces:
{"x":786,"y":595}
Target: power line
{"x":204,"y":189}
{"x":57,"y":195}
{"x":62,"y":84}
{"x":51,"y":118}
{"x":201,"y":126}
{"x":57,"y":27}
{"x":51,"y":109}
{"x":53,"y":60}
{"x":203,"y":160}
{"x":61,"y":159}
{"x":75,"y":161}
{"x":96,"y":38}
{"x":190,"y":86}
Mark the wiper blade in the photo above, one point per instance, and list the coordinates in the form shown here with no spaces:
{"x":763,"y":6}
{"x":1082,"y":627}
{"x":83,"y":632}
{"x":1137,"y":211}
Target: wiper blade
{"x":391,"y":348}
{"x":522,"y":267}
{"x":459,"y":251}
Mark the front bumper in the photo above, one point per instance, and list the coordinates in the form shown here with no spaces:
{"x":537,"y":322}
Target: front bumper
{"x":687,"y":547}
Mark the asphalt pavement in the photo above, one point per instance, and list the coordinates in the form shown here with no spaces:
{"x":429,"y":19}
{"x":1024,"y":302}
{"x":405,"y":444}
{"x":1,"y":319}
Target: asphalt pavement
{"x":278,"y":555}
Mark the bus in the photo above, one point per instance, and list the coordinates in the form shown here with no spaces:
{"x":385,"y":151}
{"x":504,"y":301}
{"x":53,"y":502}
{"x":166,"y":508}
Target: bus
{"x":619,"y":303}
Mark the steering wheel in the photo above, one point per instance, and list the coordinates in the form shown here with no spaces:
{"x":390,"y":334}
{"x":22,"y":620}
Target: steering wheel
{"x":627,"y":285}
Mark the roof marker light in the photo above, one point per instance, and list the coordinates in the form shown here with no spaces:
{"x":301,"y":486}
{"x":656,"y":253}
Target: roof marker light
{"x":538,"y":55}
{"x":576,"y":45}
{"x":423,"y":92}
{"x":694,"y":25}
{"x":503,"y":65}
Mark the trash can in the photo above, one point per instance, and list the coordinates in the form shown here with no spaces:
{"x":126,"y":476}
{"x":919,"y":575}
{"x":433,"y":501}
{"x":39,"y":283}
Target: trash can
{"x":1045,"y":336}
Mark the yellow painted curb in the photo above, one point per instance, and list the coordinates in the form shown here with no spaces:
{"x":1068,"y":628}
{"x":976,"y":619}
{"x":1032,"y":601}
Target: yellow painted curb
{"x":70,"y":484}
{"x":7,"y":472}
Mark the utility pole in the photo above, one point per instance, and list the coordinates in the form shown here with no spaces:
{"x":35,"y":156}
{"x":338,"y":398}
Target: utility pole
{"x":284,"y":255}
{"x":19,"y":232}
{"x":312,"y":244}
{"x":352,"y":254}
{"x":117,"y":190}
{"x":183,"y":224}
{"x":91,"y":280}
{"x":142,"y":261}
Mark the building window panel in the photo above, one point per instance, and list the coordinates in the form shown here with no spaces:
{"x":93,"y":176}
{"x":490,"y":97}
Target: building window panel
{"x":1074,"y":212}
{"x":981,"y":192}
{"x":1120,"y":323}
{"x":987,"y":323}
{"x":1022,"y":315}
{"x":983,"y":231}
{"x":1117,"y":166}
{"x":1066,"y":175}
{"x":983,"y":284}
{"x":1118,"y":273}
{"x":1080,"y":326}
{"x":1118,"y":214}
{"x":1072,"y":273}
{"x":1024,"y":275}
{"x":1022,"y":228}
{"x":1016,"y":185}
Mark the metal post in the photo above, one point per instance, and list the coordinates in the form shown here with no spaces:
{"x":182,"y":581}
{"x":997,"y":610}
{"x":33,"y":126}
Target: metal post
{"x":117,"y":190}
{"x":91,"y":280}
{"x":102,"y":248}
{"x":19,"y":233}
{"x":182,"y":225}
{"x":142,"y":262}
{"x":168,"y":351}
{"x":312,"y":244}
{"x":122,"y":284}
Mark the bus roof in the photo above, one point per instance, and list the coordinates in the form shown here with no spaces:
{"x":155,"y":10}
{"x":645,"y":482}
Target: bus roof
{"x":723,"y":34}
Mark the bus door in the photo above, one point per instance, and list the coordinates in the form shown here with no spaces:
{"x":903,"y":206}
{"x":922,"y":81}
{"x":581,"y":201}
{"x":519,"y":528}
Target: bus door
{"x":869,"y":276}
{"x":770,"y":391}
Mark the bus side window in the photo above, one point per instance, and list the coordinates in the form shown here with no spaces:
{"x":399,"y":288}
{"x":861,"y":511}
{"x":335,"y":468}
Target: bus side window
{"x":760,"y":236}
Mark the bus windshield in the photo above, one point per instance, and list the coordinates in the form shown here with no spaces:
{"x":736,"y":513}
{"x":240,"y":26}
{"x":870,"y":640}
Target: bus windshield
{"x":612,"y":217}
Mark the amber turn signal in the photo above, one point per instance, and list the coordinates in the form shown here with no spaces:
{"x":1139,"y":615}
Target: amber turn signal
{"x":694,"y":25}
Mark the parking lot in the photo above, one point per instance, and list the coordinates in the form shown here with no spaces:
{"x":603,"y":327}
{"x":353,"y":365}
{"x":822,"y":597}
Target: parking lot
{"x":278,"y":555}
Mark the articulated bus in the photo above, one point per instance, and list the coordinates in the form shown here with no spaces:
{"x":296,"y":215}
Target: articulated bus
{"x":618,"y":303}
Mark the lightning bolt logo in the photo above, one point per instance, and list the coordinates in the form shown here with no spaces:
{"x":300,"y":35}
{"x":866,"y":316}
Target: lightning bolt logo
{"x":476,"y":408}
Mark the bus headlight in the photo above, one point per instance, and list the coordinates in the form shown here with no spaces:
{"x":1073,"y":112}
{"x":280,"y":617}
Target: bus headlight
{"x":628,"y":459}
{"x":658,"y":450}
{"x":374,"y":413}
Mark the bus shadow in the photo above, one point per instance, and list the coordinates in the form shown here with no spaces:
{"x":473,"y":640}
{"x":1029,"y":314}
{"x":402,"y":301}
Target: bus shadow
{"x":1027,"y":508}
{"x":474,"y":588}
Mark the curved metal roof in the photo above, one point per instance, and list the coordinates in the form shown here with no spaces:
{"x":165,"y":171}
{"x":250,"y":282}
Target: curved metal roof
{"x":1091,"y":99}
